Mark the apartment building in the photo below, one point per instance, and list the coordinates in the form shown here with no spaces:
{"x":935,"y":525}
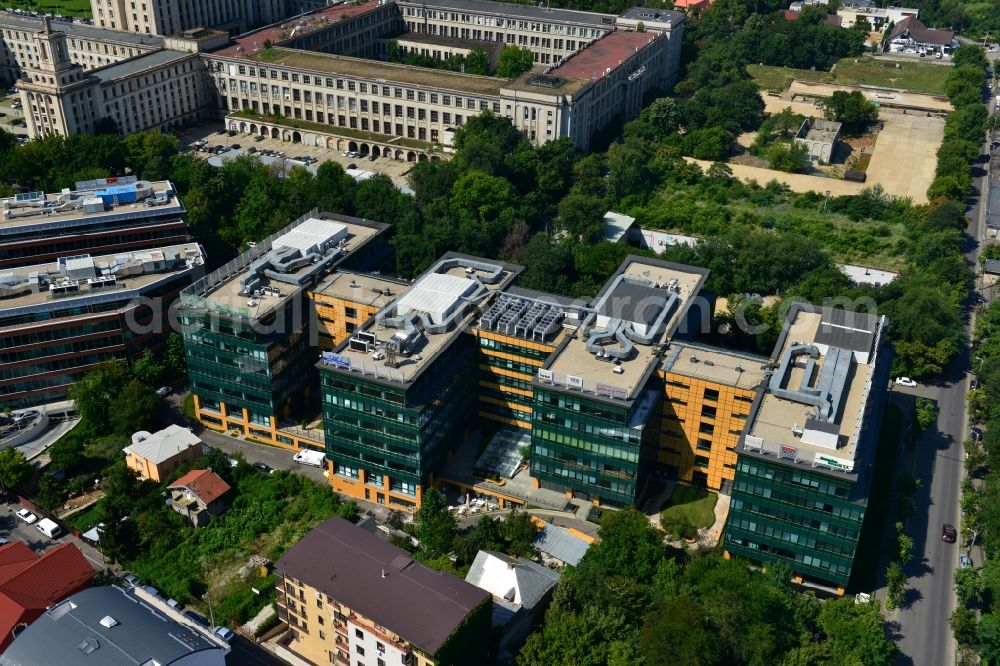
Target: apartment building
{"x":398,"y":394}
{"x":246,"y":326}
{"x":60,"y":319}
{"x":350,"y":598}
{"x":96,"y":217}
{"x":88,"y":46}
{"x":708,"y":393}
{"x":805,"y":462}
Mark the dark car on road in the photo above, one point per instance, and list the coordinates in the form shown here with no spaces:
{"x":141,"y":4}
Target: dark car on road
{"x":949,"y":534}
{"x":263,"y":467}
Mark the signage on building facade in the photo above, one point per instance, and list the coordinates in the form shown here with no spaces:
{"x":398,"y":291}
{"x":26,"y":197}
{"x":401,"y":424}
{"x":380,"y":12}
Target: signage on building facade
{"x":545,"y":375}
{"x":836,"y":463}
{"x":576,"y":382}
{"x":336,"y":360}
{"x":612,"y":391}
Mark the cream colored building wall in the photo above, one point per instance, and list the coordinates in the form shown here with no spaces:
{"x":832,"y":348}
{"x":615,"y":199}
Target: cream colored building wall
{"x":170,"y":17}
{"x":549,"y":41}
{"x":18,"y":52}
{"x":386,"y":108}
{"x":157,"y":98}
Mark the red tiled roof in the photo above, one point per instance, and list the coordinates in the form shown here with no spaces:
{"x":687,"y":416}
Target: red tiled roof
{"x":254,"y":41}
{"x":30,"y":583}
{"x":606,"y":53}
{"x":206,"y":485}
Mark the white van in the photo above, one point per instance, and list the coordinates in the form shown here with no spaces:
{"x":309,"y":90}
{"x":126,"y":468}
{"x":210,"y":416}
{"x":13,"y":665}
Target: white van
{"x":49,"y":528}
{"x":310,"y":457}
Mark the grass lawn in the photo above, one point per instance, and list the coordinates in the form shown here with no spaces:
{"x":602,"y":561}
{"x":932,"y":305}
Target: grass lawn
{"x":187,"y":407}
{"x":695,"y":504}
{"x":777,"y":78}
{"x":62,"y":7}
{"x":927,"y":77}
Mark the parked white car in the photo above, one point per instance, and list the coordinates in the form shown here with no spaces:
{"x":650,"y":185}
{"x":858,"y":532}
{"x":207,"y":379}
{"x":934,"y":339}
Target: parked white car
{"x":27,"y":516}
{"x":905,"y":381}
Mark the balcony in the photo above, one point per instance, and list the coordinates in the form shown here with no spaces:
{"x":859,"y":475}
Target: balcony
{"x":380,"y":633}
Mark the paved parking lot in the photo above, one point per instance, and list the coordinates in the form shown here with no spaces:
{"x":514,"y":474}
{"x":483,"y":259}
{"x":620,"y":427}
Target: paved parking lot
{"x":13,"y":529}
{"x":396,"y":170}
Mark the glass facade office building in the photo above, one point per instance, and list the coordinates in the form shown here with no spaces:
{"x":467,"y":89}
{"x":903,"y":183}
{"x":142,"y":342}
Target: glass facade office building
{"x":809,"y":519}
{"x":590,"y":446}
{"x":392,"y":438}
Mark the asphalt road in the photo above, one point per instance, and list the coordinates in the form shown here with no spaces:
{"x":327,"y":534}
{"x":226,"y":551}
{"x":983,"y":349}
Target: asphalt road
{"x":922,"y":630}
{"x":13,"y":529}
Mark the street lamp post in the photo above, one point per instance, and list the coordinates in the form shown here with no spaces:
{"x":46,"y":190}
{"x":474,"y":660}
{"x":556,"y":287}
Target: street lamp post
{"x":211,"y":612}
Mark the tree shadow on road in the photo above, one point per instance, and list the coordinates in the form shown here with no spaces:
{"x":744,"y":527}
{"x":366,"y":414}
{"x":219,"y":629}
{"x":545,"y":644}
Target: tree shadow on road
{"x":911,"y":596}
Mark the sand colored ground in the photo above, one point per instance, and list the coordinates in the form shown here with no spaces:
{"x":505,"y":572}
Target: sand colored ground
{"x":904,"y":156}
{"x":885,"y":96}
{"x":796,"y":181}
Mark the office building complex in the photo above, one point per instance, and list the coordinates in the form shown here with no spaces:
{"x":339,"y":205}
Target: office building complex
{"x":351,"y":598}
{"x":96,"y":217}
{"x":320,"y":77}
{"x":805,"y":461}
{"x":397,"y":395}
{"x":611,"y":396}
{"x":86,"y":276}
{"x":247,"y":325}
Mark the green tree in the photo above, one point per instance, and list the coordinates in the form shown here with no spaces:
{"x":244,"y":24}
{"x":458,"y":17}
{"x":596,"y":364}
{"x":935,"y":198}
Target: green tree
{"x":968,"y":586}
{"x":969,"y":54}
{"x":989,"y":638}
{"x":676,"y":633}
{"x":788,"y":156}
{"x":15,"y":470}
{"x":852,"y":109}
{"x":435,"y":525}
{"x":519,"y":533}
{"x":582,"y":215}
{"x":134,"y":408}
{"x":964,"y":626}
{"x":96,"y":392}
{"x":895,"y":584}
{"x":514,"y":61}
{"x":148,"y":368}
{"x":857,"y":630}
{"x":478,"y":61}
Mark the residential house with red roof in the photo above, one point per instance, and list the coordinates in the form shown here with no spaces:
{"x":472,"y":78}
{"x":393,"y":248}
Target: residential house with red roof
{"x":30,"y":583}
{"x":198,"y":495}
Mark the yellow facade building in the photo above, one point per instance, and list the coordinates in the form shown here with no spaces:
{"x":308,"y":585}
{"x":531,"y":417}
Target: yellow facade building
{"x":154,"y":456}
{"x":708,"y":394}
{"x":344,"y":301}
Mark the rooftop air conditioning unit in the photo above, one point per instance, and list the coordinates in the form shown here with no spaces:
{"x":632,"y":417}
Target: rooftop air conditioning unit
{"x":618,"y":370}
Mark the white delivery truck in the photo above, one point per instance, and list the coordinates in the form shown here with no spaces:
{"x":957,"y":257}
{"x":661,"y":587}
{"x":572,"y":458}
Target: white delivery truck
{"x":310,"y":457}
{"x":49,"y":528}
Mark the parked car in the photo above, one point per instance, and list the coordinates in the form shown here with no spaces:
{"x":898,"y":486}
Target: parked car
{"x":220,"y":132}
{"x":263,"y":467}
{"x":26,"y":516}
{"x":231,"y":133}
{"x":905,"y":381}
{"x":964,"y":561}
{"x":258,"y":138}
{"x":130,"y":580}
{"x":372,"y":158}
{"x":976,"y":434}
{"x":948,"y":533}
{"x":225,"y":633}
{"x":164,"y":391}
{"x":196,"y":618}
{"x":235,"y":146}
